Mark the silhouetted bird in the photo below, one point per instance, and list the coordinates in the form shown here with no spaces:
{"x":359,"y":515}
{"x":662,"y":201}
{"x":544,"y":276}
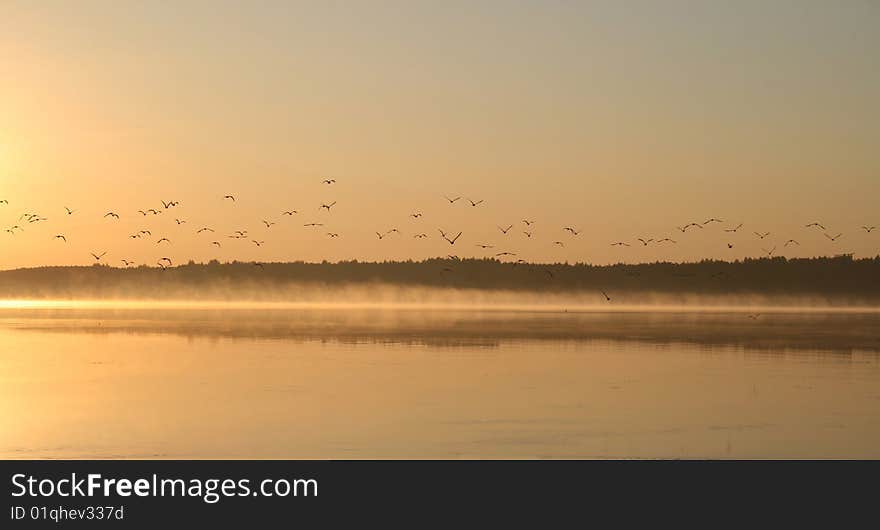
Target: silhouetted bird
{"x":607,"y":298}
{"x":620,"y":244}
{"x":453,"y":240}
{"x":572,"y":230}
{"x":817,"y":225}
{"x":165,"y":239}
{"x":869,"y":229}
{"x":204,"y":229}
{"x":59,"y":236}
{"x":667,"y":240}
{"x":762,"y":236}
{"x":712,"y":220}
{"x":230,"y":197}
{"x":528,"y":234}
{"x":268,"y":223}
{"x":69,"y":211}
{"x":791,"y":242}
{"x":289,"y":212}
{"x":527,"y":222}
{"x":329,"y":181}
{"x":733,"y":229}
{"x":99,"y":256}
{"x":258,"y":243}
{"x":420,"y":236}
{"x":415,"y":215}
{"x":475,"y":203}
{"x":216,"y":243}
{"x":451,"y":200}
{"x":560,"y":243}
{"x":505,"y":230}
{"x":644,"y":242}
{"x":112,"y":214}
{"x":328,"y":206}
{"x":332,"y":234}
{"x":834,"y":238}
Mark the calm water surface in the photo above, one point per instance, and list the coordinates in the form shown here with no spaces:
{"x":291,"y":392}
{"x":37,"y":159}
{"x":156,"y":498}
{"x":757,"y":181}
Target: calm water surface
{"x":146,"y":383}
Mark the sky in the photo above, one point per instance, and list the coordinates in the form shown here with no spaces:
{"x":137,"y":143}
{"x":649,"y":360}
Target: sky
{"x":619,"y":119}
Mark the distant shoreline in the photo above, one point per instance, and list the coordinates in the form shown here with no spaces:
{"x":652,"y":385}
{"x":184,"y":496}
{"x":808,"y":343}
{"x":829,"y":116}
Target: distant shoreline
{"x":778,"y":281}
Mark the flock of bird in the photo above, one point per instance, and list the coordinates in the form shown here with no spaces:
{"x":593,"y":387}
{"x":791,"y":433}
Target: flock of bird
{"x":450,"y":237}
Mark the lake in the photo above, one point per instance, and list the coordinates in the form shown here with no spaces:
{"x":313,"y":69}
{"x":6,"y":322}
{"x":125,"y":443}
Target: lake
{"x":96,"y":381}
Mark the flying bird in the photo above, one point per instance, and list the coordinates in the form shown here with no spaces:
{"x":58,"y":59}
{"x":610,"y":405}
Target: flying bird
{"x":453,"y":240}
{"x":59,"y":236}
{"x":560,"y":243}
{"x":328,"y":206}
{"x":451,"y":200}
{"x":475,"y":203}
{"x":415,"y":215}
{"x":733,"y":229}
{"x":258,"y":243}
{"x":167,"y":260}
{"x":289,"y":212}
{"x":165,"y":239}
{"x":791,"y":242}
{"x":505,"y":230}
{"x":216,"y":243}
{"x":99,"y":256}
{"x":420,"y":236}
{"x":667,"y":240}
{"x":762,"y":236}
{"x":644,"y":242}
{"x":230,"y":197}
{"x":180,"y":221}
{"x":314,"y":224}
{"x":332,"y":234}
{"x":481,"y":245}
{"x":869,"y":229}
{"x":329,"y":181}
{"x":816,"y":225}
{"x":769,"y":252}
{"x":204,"y":229}
{"x":528,"y":222}
{"x":500,"y":254}
{"x":69,"y":211}
{"x":572,"y":230}
{"x":835,"y":238}
{"x":112,"y":214}
{"x":268,"y":223}
{"x":528,"y":234}
{"x":712,"y":220}
{"x":607,"y":298}
{"x":126,"y":262}
{"x":618,"y":244}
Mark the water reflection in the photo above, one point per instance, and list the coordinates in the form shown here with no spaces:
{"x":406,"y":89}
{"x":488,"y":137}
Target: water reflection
{"x":773,"y":332}
{"x":137,"y":383}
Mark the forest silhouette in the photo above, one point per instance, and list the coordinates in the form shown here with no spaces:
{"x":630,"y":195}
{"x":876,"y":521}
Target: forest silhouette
{"x":823,"y":276}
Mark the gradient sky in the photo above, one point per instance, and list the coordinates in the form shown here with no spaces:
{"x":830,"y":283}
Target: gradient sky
{"x":623,"y":119}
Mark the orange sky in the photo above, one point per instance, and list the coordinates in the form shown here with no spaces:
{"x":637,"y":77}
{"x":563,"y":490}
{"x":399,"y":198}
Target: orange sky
{"x":621,"y":121}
